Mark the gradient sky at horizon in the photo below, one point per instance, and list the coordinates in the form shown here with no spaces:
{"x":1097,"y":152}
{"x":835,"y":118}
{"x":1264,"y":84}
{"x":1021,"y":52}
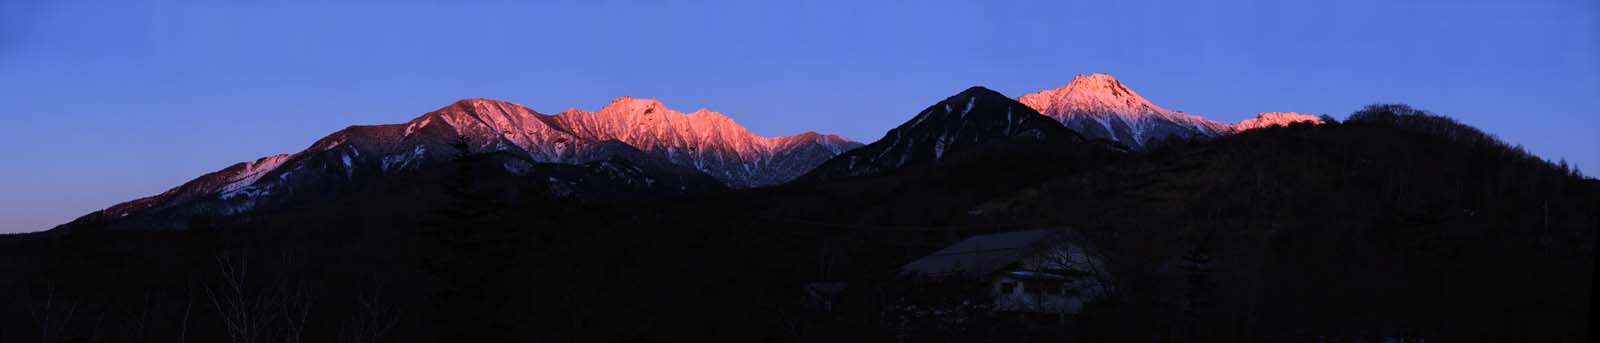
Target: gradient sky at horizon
{"x":105,"y":102}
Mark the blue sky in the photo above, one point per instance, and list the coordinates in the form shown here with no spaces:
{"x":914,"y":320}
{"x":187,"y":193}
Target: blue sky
{"x":105,"y":102}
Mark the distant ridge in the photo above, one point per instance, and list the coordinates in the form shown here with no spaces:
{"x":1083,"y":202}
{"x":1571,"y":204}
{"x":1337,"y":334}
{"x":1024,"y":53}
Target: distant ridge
{"x":636,"y":130}
{"x":1101,"y":107}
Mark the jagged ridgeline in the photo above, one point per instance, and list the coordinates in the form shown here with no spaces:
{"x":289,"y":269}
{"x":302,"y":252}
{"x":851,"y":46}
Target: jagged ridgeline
{"x":638,"y":223}
{"x":673,"y":147}
{"x":633,"y":143}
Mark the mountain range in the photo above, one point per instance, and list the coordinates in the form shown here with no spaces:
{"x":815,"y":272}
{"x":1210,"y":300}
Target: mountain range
{"x":485,"y":218}
{"x":657,"y":143}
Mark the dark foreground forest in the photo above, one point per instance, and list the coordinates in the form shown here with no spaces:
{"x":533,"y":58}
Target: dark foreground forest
{"x":1393,"y":224}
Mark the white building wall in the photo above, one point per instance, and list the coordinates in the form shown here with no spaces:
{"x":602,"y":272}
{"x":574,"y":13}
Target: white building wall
{"x":1020,"y":299}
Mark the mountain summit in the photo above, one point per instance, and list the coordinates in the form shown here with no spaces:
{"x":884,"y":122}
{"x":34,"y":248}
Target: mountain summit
{"x":706,"y":141}
{"x":1100,"y":106}
{"x":663,"y":150}
{"x":977,"y":116}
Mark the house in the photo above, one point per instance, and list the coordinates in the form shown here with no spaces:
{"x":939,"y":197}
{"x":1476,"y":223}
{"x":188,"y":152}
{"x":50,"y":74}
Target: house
{"x":1038,"y":271}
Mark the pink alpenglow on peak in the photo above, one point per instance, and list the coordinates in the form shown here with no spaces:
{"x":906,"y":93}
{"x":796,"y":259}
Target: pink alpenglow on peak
{"x":704,"y":140}
{"x":1270,"y":119}
{"x":637,"y":131}
{"x":1100,"y":106}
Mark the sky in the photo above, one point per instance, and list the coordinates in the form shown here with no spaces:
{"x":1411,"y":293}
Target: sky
{"x":103,"y":102}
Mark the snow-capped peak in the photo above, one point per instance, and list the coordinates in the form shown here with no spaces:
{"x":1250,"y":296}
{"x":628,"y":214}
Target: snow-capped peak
{"x":499,"y":115}
{"x":1100,"y":106}
{"x":706,"y":140}
{"x":1269,"y":119}
{"x":631,"y":104}
{"x":1094,"y":94}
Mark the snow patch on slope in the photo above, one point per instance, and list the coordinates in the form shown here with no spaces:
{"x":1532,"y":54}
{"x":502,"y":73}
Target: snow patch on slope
{"x":253,"y":171}
{"x":400,"y":161}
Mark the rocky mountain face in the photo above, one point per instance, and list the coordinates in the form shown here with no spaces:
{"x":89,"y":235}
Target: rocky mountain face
{"x":1101,"y":107}
{"x":977,"y":116}
{"x":1270,"y":119}
{"x":705,"y":140}
{"x":631,"y":141}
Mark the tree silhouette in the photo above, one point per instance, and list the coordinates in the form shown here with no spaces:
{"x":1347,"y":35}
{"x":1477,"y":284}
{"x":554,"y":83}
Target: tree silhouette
{"x":472,"y":252}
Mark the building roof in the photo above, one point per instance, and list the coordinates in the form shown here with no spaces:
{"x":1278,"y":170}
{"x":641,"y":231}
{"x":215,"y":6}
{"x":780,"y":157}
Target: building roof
{"x":978,"y":255}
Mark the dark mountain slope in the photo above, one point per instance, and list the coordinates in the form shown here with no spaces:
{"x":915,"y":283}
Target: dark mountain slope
{"x":1396,"y":222}
{"x":968,"y":148}
{"x":972,"y":118}
{"x":619,"y":171}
